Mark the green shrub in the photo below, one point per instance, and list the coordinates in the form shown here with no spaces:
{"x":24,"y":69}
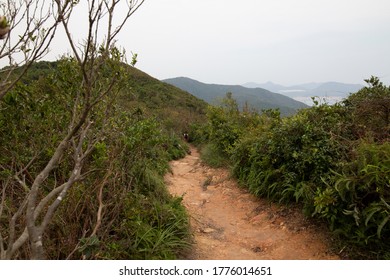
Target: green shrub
{"x":149,"y":229}
{"x":287,"y":161}
{"x":213,"y":156}
{"x":356,"y":198}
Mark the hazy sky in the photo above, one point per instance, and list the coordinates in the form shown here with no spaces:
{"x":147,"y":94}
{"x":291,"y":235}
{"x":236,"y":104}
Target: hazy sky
{"x":284,"y":41}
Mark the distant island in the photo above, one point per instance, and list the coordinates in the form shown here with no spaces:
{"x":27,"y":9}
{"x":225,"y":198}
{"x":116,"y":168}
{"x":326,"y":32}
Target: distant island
{"x":330,"y":92}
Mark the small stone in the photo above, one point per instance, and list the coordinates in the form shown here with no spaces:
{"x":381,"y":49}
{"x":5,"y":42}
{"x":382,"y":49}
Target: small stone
{"x":208,"y":230}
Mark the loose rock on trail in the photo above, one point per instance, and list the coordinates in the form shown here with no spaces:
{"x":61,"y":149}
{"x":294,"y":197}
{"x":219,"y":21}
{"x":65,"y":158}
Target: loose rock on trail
{"x":229,"y":223}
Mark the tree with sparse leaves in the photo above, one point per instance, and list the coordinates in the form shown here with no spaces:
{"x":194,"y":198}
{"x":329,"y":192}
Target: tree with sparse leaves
{"x":27,"y":29}
{"x":30,"y":191}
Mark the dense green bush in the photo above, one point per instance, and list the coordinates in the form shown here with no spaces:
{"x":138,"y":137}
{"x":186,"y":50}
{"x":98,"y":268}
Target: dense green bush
{"x":370,"y":111}
{"x":287,"y":160}
{"x":355,"y":199}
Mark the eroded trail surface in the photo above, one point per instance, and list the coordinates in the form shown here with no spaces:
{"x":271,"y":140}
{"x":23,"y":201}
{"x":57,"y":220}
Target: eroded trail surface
{"x":229,"y":223}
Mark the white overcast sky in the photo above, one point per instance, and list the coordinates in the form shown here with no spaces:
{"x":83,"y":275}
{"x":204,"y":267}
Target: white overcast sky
{"x":284,"y":41}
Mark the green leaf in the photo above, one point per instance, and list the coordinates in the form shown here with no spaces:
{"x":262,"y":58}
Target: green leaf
{"x":384,"y":222}
{"x":371,"y":213}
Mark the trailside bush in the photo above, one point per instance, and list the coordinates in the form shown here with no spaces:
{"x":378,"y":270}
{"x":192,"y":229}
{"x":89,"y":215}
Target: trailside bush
{"x":370,"y":111}
{"x":356,"y":198}
{"x":287,"y":161}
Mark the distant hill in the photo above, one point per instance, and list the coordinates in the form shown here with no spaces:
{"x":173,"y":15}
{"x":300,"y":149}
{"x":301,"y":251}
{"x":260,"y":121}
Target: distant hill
{"x":256,"y":98}
{"x":330,"y":91}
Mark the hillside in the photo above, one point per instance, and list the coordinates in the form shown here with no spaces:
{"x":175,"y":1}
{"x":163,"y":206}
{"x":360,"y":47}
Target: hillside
{"x":173,"y":107}
{"x":256,"y":98}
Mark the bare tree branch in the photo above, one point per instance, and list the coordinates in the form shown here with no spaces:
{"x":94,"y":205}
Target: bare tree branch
{"x":3,"y":193}
{"x":101,"y":204}
{"x":12,"y":224}
{"x":33,"y":43}
{"x":14,"y":246}
{"x":133,"y":5}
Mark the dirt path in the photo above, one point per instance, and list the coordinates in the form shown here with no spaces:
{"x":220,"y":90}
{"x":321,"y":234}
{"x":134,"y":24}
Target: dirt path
{"x":229,"y":223}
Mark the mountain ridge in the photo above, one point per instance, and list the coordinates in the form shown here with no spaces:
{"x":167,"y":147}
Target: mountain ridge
{"x":256,"y":98}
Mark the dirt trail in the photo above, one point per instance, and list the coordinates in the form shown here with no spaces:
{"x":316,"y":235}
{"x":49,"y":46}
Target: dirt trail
{"x":229,"y":223}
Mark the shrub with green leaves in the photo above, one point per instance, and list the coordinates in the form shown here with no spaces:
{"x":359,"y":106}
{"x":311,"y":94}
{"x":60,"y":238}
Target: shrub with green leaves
{"x":370,"y":111}
{"x":356,"y":198}
{"x":287,"y":160}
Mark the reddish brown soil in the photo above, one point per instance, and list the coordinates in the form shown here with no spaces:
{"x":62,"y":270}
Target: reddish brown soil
{"x":229,"y":223}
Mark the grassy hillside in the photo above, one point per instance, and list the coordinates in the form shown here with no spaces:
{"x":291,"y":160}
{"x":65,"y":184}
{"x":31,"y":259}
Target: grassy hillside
{"x":175,"y":108}
{"x":172,"y":106}
{"x":256,"y":98}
